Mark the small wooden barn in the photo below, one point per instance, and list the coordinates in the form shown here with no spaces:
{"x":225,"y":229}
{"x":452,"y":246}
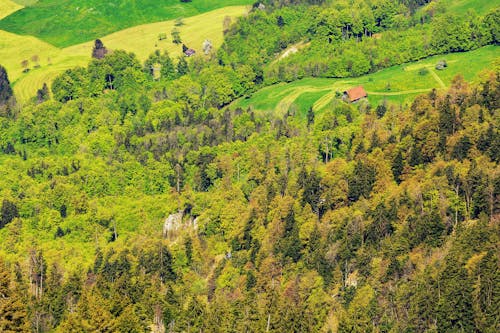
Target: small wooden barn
{"x":354,"y":94}
{"x":189,"y":52}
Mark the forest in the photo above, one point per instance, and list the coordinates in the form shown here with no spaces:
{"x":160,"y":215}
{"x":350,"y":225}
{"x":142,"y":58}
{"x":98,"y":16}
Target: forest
{"x":136,"y":197}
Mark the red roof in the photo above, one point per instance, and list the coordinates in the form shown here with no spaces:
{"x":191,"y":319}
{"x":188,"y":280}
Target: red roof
{"x":356,"y":93}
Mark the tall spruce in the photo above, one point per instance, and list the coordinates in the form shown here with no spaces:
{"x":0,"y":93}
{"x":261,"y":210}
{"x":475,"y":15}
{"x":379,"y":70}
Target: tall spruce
{"x":6,"y":92}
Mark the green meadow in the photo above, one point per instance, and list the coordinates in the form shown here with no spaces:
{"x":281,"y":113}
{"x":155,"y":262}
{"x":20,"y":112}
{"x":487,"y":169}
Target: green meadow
{"x":398,"y":84}
{"x":461,"y":7}
{"x":63,"y":23}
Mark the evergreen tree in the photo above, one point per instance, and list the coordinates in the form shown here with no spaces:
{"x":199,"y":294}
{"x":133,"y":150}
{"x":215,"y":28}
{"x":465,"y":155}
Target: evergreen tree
{"x":280,"y":21}
{"x":454,"y":308}
{"x":361,"y":181}
{"x":6,"y":92}
{"x":447,"y":117}
{"x":461,"y":148}
{"x":398,"y":166}
{"x":289,"y":245}
{"x":8,"y":212}
{"x":42,"y":94}
{"x":310,"y":116}
{"x":381,"y":110}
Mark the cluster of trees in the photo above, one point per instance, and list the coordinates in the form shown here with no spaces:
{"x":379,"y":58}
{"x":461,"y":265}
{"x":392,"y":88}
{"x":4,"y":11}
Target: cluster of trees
{"x":351,"y":38}
{"x":357,"y":218}
{"x":352,"y":219}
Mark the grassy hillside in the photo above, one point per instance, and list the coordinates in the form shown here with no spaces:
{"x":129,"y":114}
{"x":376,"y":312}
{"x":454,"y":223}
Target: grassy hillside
{"x":64,"y":23}
{"x":142,"y":40}
{"x":7,"y":7}
{"x":398,"y":84}
{"x":462,"y":6}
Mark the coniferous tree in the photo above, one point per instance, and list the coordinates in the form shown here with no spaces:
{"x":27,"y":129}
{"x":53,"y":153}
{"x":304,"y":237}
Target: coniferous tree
{"x":6,"y":92}
{"x":8,"y":212}
{"x":398,"y":166}
{"x":42,"y":94}
{"x":454,"y":308}
{"x":310,"y":116}
{"x":289,"y":245}
{"x":361,"y":181}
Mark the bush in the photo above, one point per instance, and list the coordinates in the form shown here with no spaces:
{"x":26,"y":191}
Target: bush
{"x":423,"y":71}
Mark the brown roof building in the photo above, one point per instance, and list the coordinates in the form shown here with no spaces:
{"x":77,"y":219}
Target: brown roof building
{"x":189,"y":52}
{"x":354,"y":94}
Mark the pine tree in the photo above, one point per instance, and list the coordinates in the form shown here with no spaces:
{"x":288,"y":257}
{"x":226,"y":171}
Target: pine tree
{"x":398,"y":166}
{"x":8,"y":212}
{"x":289,"y":245}
{"x":5,"y":88}
{"x":280,"y":21}
{"x":462,"y":148}
{"x":42,"y":94}
{"x":454,"y":308}
{"x":310,"y":116}
{"x":361,"y":181}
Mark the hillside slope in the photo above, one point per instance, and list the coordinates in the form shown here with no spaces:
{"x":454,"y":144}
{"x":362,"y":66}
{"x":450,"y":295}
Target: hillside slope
{"x":398,"y":84}
{"x":142,"y":40}
{"x":64,"y":23}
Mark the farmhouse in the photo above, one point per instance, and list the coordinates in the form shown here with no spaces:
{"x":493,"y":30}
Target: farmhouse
{"x":189,"y":52}
{"x":354,"y":94}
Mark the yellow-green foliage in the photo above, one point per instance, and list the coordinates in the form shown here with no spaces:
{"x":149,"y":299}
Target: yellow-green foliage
{"x":142,"y":40}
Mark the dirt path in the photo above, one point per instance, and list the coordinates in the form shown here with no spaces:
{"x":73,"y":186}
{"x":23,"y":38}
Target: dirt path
{"x":437,"y":78}
{"x":291,"y":50}
{"x":396,"y":93}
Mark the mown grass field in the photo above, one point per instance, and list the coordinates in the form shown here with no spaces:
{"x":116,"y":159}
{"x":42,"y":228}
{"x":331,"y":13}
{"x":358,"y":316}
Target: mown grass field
{"x":64,"y":23}
{"x":8,"y":7}
{"x":462,"y":6}
{"x":142,"y":40}
{"x":398,"y":84}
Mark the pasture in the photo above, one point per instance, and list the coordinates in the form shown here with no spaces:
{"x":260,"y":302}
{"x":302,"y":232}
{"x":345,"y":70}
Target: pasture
{"x":461,"y":7}
{"x":398,"y":84}
{"x":64,"y":23}
{"x":142,"y":40}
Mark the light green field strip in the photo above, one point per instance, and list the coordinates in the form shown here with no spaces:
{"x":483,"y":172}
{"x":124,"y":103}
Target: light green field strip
{"x":397,"y":93}
{"x":437,"y":78}
{"x":289,"y":99}
{"x":142,"y":40}
{"x":8,"y":7}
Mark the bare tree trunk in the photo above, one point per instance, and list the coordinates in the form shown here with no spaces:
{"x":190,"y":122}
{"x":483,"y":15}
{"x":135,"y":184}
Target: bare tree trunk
{"x":456,"y":210}
{"x":114,"y":229}
{"x":327,"y":152}
{"x":268,"y":322}
{"x":178,"y":170}
{"x":41,"y":278}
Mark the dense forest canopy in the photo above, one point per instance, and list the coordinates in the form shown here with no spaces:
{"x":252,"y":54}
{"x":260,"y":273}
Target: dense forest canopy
{"x":135,"y":197}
